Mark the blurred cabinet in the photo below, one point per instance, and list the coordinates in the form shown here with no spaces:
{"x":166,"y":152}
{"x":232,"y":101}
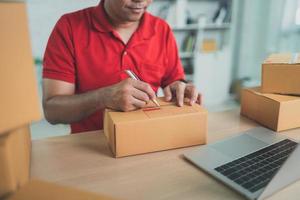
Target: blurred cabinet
{"x":203,"y":32}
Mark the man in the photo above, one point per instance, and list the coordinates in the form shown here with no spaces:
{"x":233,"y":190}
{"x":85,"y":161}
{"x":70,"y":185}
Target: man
{"x":87,"y":54}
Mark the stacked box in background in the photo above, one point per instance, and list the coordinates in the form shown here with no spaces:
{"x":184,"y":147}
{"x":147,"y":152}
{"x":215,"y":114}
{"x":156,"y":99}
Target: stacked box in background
{"x":19,"y":107}
{"x":281,"y":74}
{"x":276,"y":104}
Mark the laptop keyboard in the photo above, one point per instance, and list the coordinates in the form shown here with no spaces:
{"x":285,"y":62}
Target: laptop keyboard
{"x":255,"y":170}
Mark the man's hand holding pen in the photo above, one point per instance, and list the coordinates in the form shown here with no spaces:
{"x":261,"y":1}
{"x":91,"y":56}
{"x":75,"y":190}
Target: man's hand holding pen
{"x":128,"y":95}
{"x":132,"y":94}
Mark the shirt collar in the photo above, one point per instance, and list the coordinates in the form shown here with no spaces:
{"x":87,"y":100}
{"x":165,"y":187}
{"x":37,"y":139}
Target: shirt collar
{"x":146,"y":27}
{"x":101,"y":22}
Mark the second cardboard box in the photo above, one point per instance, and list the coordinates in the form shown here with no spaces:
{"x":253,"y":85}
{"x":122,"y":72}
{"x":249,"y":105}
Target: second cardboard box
{"x":277,"y":112}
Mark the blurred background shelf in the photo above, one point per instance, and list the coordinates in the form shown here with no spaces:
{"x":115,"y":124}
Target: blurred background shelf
{"x":196,"y":27}
{"x":203,"y":34}
{"x":186,"y":55}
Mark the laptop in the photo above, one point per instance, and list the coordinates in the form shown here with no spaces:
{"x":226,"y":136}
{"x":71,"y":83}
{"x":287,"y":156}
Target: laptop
{"x":256,"y":163}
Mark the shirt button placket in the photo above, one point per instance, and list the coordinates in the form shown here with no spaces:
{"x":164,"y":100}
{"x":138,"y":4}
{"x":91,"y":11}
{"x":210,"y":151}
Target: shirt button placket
{"x":123,"y":65}
{"x":124,"y":59}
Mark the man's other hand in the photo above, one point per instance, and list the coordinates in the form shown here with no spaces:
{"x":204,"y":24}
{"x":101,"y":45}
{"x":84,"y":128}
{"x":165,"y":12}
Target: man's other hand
{"x":128,"y":95}
{"x":181,"y":90}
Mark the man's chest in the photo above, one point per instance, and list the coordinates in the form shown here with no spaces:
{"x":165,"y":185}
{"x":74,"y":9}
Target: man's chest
{"x":101,"y":59}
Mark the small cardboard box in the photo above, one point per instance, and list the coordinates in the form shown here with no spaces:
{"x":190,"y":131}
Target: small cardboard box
{"x":280,"y":74}
{"x":19,"y":98}
{"x":209,"y":46}
{"x":148,"y":130}
{"x":40,"y":190}
{"x":277,"y":112}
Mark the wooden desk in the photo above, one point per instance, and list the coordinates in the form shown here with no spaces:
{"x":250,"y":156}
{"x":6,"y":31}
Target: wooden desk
{"x":85,"y":161}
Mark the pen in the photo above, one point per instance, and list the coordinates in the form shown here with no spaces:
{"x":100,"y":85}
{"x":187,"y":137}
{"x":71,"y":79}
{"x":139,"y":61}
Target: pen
{"x":132,"y":75}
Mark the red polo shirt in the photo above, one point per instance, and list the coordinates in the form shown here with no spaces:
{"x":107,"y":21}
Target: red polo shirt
{"x":85,"y":50}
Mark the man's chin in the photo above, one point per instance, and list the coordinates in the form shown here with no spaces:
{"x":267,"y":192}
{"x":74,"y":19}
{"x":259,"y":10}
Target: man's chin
{"x":135,"y":18}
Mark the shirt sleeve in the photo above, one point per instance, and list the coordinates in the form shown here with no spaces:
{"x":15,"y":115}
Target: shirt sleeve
{"x":174,"y":69}
{"x":59,"y":62}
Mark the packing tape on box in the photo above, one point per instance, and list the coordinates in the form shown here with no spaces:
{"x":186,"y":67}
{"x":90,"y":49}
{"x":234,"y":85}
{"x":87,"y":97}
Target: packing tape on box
{"x":294,"y":58}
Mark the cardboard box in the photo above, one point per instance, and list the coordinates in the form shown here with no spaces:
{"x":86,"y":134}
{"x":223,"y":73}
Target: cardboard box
{"x":40,"y":190}
{"x":148,"y":130}
{"x":19,"y":97}
{"x":280,"y":74}
{"x":15,"y":151}
{"x":277,"y":112}
{"x":209,"y":46}
{"x":19,"y":107}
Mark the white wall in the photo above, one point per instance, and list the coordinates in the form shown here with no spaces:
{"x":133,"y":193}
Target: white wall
{"x":259,"y":34}
{"x":290,"y":31}
{"x":43,"y":14}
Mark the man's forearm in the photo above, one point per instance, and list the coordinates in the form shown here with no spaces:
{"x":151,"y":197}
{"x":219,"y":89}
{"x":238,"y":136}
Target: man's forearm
{"x":59,"y":107}
{"x":73,"y":108}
